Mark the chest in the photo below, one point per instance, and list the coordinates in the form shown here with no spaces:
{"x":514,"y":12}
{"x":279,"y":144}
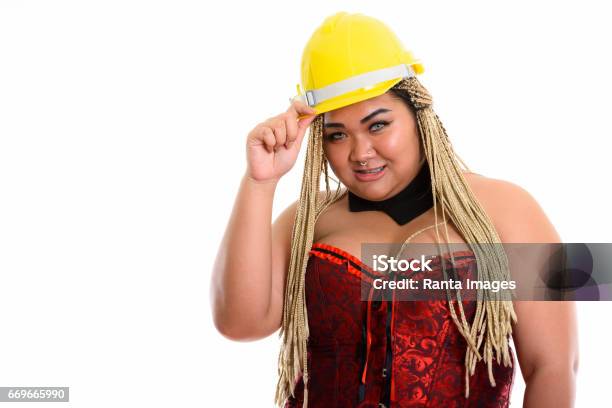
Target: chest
{"x":348,"y":230}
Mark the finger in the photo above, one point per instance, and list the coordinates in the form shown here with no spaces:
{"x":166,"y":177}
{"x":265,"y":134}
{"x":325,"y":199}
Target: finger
{"x":280,"y":132}
{"x":268,"y":139}
{"x":298,"y":108}
{"x":291,"y":124}
{"x":303,"y":125}
{"x":305,"y":122}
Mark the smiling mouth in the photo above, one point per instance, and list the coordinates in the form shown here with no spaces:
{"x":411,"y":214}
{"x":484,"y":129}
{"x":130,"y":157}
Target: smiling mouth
{"x":371,"y":171}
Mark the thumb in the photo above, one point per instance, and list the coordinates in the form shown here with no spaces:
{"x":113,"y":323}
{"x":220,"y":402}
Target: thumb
{"x":302,"y":127}
{"x":305,"y":121}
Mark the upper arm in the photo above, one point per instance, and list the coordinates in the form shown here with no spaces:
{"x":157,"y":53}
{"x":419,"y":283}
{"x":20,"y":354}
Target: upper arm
{"x":281,"y":251}
{"x":545,"y":334}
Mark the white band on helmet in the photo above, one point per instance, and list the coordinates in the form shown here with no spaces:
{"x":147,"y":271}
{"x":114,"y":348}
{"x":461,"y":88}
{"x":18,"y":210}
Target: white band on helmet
{"x":369,"y":79}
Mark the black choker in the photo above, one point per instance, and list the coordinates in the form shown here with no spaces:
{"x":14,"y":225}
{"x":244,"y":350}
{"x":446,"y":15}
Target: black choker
{"x":406,"y":205}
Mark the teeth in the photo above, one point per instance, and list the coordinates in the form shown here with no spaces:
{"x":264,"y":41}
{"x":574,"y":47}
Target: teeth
{"x":376,"y":170}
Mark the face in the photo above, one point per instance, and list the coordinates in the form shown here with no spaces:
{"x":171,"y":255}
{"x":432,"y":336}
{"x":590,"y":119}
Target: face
{"x":381,"y":132}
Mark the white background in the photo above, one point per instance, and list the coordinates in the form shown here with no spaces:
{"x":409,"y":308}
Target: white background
{"x":122,"y":129}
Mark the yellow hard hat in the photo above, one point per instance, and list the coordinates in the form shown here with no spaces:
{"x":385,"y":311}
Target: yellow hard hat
{"x":350,"y":58}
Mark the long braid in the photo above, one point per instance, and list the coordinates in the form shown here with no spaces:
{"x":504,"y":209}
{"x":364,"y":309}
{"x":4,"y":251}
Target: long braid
{"x":494,"y":311}
{"x":294,"y":329}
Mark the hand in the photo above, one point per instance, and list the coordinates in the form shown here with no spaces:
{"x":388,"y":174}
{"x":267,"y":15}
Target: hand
{"x":273,"y":145}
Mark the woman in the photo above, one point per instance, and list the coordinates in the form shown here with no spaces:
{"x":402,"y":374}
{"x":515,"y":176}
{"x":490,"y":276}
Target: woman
{"x":372,"y":123}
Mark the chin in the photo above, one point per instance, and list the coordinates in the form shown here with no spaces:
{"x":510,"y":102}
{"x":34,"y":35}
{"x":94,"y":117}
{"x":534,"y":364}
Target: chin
{"x":374,"y":191}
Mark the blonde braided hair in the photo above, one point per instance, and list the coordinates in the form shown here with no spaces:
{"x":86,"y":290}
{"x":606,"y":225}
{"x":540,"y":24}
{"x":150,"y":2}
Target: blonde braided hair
{"x":492,"y":324}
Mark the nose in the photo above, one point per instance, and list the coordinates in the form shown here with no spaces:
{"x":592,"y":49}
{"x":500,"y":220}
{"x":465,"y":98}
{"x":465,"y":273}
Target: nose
{"x":361,"y":149}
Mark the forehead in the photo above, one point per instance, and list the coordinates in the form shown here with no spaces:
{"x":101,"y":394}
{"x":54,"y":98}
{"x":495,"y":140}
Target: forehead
{"x":359,"y":110}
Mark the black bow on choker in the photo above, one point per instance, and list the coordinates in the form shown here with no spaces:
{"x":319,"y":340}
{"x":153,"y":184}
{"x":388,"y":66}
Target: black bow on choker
{"x":406,"y":205}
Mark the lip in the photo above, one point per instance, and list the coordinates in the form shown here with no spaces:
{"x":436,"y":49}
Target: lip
{"x":370,"y":176}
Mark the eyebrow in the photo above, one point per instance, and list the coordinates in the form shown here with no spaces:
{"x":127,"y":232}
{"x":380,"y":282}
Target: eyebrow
{"x":364,"y":120}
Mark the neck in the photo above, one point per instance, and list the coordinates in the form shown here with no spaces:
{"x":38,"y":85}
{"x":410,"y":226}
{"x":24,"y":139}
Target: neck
{"x":412,"y":201}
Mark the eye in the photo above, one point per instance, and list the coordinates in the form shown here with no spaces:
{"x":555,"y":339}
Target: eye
{"x":375,"y":126}
{"x":334,"y":137}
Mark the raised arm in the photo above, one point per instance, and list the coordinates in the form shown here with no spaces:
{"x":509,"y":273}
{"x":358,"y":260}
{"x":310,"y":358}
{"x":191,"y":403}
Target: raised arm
{"x":249,"y":271}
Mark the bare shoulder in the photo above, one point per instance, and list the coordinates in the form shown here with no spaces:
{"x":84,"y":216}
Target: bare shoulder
{"x":516,"y":214}
{"x":286,"y":218}
{"x":498,"y":194}
{"x":326,"y":223}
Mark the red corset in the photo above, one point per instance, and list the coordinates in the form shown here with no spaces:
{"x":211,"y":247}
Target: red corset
{"x":386,"y":354}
